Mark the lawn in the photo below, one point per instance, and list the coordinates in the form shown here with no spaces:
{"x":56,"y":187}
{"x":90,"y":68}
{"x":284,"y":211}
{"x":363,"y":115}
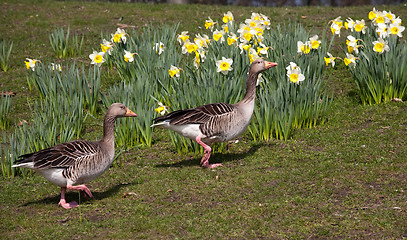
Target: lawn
{"x":344,"y":179}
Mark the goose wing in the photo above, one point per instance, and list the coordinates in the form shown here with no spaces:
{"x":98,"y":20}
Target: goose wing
{"x":198,"y":115}
{"x":60,"y":156}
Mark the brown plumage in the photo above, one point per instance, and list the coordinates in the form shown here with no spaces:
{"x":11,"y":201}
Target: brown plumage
{"x":70,"y":165}
{"x":216,"y":122}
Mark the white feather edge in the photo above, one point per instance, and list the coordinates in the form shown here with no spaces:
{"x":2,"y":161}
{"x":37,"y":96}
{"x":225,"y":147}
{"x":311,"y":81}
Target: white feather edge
{"x":25,"y":165}
{"x":186,"y":130}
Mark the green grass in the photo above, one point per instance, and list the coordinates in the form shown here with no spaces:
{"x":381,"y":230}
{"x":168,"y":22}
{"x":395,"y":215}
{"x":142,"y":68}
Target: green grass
{"x":345,"y":179}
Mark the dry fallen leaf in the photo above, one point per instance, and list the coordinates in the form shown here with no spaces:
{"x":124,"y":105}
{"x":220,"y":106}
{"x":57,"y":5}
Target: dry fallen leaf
{"x":129,"y":193}
{"x":397,"y":100}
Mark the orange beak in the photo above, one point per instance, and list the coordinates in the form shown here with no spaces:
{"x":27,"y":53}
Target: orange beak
{"x":269,"y":64}
{"x":130,"y":113}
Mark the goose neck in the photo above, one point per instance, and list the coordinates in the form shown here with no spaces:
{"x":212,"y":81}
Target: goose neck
{"x":108,"y":129}
{"x":250,"y":94}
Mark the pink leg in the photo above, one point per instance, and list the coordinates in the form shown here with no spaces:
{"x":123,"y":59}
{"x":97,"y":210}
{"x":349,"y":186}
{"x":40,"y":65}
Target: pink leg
{"x":63,"y":202}
{"x":207,"y":155}
{"x":82,"y":188}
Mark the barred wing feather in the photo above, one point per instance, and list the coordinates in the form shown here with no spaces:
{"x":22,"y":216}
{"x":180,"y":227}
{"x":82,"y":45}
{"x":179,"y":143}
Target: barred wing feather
{"x":199,"y":115}
{"x":61,"y":156}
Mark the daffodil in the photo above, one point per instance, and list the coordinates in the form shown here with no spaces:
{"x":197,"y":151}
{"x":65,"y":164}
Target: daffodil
{"x":244,"y":46}
{"x":396,"y":21}
{"x":351,"y":41}
{"x":262,"y":50}
{"x":106,"y":46}
{"x":360,"y":26}
{"x":225,"y":28}
{"x":389,"y":15}
{"x":182,"y":37}
{"x":174,"y":71}
{"x":372,"y":14}
{"x":265,"y":21}
{"x":128,"y":56}
{"x":31,"y":63}
{"x":206,"y":39}
{"x":253,"y":55}
{"x":246,"y":35}
{"x":352,"y":44}
{"x":296,"y":76}
{"x":303,"y":47}
{"x":383,"y":30}
{"x":161,"y":109}
{"x":252,"y":23}
{"x":243,"y":27}
{"x":224,"y":65}
{"x":56,"y":67}
{"x":294,"y":73}
{"x":314,"y":42}
{"x":336,"y":26}
{"x":259,"y":30}
{"x":197,"y":60}
{"x":350,"y":60}
{"x":97,"y":58}
{"x":396,"y":29}
{"x":292,"y":66}
{"x":232,"y":39}
{"x":260,"y":79}
{"x":189,"y":47}
{"x":159,"y":48}
{"x":330,"y":59}
{"x":201,"y":41}
{"x":218,"y":35}
{"x":200,"y":52}
{"x":352,"y":49}
{"x":349,"y":24}
{"x":119,"y":36}
{"x":255,"y":16}
{"x":259,"y":38}
{"x":380,"y":46}
{"x":209,"y":24}
{"x":380,"y":18}
{"x":338,"y":21}
{"x":227,"y":17}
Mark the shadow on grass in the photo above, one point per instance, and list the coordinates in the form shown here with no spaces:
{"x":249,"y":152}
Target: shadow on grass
{"x":74,"y":195}
{"x":354,"y":96}
{"x":215,"y":158}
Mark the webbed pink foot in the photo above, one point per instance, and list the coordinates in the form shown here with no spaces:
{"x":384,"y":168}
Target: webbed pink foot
{"x":63,"y":202}
{"x":207,"y":155}
{"x":215,"y":165}
{"x":66,"y":205}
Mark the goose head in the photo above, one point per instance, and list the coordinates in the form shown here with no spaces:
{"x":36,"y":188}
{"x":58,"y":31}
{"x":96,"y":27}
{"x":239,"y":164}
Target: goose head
{"x":120,"y":110}
{"x":261,"y":65}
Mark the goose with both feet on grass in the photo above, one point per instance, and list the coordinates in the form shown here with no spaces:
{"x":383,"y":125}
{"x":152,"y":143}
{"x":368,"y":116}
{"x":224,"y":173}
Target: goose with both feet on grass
{"x":217,"y":122}
{"x":70,"y":165}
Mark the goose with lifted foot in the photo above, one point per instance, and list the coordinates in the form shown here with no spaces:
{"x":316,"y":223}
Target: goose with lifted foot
{"x":70,"y":165}
{"x":216,"y":122}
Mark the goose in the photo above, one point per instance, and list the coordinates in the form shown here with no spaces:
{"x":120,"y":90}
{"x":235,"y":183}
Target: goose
{"x":216,"y":122}
{"x":72,"y":164}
